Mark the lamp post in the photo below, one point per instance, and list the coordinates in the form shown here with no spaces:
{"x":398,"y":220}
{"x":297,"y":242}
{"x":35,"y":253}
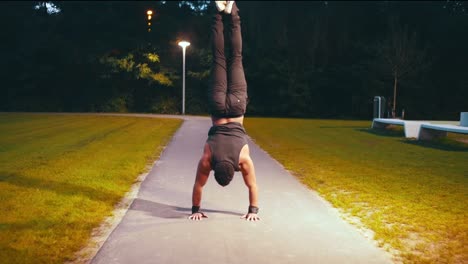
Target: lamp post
{"x":183,"y":44}
{"x":149,"y":13}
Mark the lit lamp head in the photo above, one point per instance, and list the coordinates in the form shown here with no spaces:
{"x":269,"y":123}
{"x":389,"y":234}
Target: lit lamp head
{"x":184,"y":44}
{"x":149,"y":13}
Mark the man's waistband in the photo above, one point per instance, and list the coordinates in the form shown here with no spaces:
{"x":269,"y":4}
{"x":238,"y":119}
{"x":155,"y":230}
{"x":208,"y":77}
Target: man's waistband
{"x":231,"y":127}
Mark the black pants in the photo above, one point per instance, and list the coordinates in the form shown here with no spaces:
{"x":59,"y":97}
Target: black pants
{"x":228,"y":88}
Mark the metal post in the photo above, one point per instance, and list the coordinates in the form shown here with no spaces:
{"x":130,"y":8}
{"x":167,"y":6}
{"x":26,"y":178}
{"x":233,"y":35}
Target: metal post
{"x":380,"y":106}
{"x":183,"y":81}
{"x":183,"y":44}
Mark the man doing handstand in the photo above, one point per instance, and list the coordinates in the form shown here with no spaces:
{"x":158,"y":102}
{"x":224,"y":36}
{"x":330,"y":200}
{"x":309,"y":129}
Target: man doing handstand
{"x":226,"y":149}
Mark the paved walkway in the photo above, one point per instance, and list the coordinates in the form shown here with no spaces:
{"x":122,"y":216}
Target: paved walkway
{"x":297,"y":225}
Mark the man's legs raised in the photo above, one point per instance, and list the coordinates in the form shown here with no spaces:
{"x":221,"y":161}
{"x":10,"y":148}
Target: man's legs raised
{"x":218,"y":82}
{"x":237,"y":85}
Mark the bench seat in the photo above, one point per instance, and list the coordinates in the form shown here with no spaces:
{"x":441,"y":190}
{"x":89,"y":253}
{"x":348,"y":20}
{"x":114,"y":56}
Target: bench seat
{"x":430,"y":131}
{"x":412,"y":128}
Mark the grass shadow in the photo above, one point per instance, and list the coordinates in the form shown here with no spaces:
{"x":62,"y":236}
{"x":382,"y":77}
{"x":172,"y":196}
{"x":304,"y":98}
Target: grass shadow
{"x":64,"y":188}
{"x":35,"y":225}
{"x":446,"y":144}
{"x":169,"y":211}
{"x":389,"y":132}
{"x":440,"y":144}
{"x":333,"y":127}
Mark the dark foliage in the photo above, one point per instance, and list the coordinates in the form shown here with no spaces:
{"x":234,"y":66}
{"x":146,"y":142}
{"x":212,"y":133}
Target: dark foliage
{"x":324,"y":59}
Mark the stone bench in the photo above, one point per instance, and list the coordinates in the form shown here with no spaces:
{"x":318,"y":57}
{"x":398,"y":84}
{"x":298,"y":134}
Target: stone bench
{"x":431,"y":131}
{"x":411,"y":127}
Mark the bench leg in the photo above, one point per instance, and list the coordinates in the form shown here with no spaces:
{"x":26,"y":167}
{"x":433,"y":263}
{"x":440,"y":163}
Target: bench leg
{"x":379,"y":125}
{"x":429,"y":134}
{"x":412,"y":130}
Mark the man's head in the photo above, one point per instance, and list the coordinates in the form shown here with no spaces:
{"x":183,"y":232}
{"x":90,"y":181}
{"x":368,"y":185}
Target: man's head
{"x":223,"y":172}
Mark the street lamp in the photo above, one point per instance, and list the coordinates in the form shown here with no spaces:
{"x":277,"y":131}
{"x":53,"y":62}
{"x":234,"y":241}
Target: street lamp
{"x":183,"y":44}
{"x":149,"y":13}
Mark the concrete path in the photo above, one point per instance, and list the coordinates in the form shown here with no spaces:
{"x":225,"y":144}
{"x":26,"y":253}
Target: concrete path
{"x":297,"y":226}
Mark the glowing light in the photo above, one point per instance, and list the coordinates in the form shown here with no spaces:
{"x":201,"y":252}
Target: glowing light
{"x":184,"y":44}
{"x":149,"y":17}
{"x":149,"y":23}
{"x":50,"y":7}
{"x":149,"y":12}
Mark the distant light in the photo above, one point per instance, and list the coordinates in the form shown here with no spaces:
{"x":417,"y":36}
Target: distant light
{"x":200,"y":7}
{"x":149,"y":23}
{"x":149,"y":29}
{"x":149,"y":17}
{"x":51,"y":7}
{"x":184,"y":44}
{"x":149,"y":12}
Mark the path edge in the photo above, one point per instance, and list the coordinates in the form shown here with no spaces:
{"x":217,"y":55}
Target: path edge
{"x":100,"y":234}
{"x":353,"y":221}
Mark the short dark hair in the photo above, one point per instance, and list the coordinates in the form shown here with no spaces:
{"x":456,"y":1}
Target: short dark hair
{"x":223,"y":172}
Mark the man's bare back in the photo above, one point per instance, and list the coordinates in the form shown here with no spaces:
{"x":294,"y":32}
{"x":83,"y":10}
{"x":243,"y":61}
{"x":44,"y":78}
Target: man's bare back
{"x":224,"y":120}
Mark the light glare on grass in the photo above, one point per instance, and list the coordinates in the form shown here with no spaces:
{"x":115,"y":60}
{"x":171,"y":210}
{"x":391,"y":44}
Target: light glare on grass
{"x":412,"y":195}
{"x":61,"y":175}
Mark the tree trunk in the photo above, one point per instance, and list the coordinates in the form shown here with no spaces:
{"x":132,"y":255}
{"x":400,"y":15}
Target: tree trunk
{"x":395,"y":75}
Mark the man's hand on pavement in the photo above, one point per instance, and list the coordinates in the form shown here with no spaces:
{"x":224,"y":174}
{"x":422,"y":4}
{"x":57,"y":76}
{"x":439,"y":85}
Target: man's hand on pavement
{"x":197,"y":216}
{"x":251,"y":217}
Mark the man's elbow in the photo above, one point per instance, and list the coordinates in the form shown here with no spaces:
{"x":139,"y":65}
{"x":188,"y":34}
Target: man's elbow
{"x":197,"y":188}
{"x":204,"y":166}
{"x":252,"y":187}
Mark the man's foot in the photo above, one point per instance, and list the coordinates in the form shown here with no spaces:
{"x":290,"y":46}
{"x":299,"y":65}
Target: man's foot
{"x":221,"y":5}
{"x":228,"y":8}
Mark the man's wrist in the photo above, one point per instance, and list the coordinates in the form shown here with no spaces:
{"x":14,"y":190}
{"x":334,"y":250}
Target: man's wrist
{"x":253,"y":209}
{"x":195,"y":209}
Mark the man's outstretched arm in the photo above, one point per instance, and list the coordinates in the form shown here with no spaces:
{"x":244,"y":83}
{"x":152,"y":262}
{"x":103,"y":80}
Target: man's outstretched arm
{"x":248,"y":172}
{"x":203,"y":171}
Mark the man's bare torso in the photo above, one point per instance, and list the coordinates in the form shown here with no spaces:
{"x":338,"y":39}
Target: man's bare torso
{"x":224,"y":120}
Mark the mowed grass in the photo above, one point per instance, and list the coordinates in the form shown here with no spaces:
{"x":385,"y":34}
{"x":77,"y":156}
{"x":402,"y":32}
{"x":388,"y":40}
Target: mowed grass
{"x":61,"y":175}
{"x":412,"y":195}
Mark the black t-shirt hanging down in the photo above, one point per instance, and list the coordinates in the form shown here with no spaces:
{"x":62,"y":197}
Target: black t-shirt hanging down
{"x":226,"y":142}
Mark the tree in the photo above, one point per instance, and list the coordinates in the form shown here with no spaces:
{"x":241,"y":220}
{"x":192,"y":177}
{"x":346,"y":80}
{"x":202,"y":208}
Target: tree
{"x":401,"y":54}
{"x":139,"y":72}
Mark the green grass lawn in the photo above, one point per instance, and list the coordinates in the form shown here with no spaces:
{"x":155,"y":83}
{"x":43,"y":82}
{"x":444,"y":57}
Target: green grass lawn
{"x":61,"y":175}
{"x":412,"y":195}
